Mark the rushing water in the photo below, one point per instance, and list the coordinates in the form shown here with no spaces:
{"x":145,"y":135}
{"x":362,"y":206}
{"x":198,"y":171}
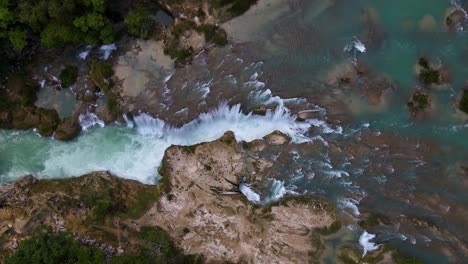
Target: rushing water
{"x":377,"y":160}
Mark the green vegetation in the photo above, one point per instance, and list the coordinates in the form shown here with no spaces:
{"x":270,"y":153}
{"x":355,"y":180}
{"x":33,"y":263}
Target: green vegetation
{"x":333,"y":228}
{"x":56,"y":22}
{"x":48,"y":247}
{"x":428,"y":75}
{"x":213,"y":34}
{"x":234,"y":7}
{"x":400,"y":258}
{"x":183,"y":55}
{"x":68,"y":76}
{"x":100,"y":73}
{"x":45,"y":246}
{"x":463,"y":106}
{"x":100,"y":210}
{"x":157,"y":247}
{"x":48,"y":121}
{"x":375,"y":219}
{"x":419,"y":101}
{"x":423,"y":62}
{"x":139,"y":23}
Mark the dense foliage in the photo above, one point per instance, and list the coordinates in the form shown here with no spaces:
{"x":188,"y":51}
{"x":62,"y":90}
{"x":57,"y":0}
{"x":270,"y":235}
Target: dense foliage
{"x":55,"y":22}
{"x":139,"y":23}
{"x":464,"y":101}
{"x":46,"y":246}
{"x":68,"y":75}
{"x":234,"y":7}
{"x":49,"y":247}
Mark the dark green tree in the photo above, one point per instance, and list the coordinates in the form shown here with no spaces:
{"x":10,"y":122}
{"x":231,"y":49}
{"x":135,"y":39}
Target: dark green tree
{"x":139,"y":23}
{"x":49,"y":247}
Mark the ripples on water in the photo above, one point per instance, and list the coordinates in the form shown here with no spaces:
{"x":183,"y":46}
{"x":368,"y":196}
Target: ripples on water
{"x":372,"y":159}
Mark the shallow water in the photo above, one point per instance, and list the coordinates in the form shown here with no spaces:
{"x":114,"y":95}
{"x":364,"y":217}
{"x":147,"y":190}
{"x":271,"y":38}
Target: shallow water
{"x":382,"y":161}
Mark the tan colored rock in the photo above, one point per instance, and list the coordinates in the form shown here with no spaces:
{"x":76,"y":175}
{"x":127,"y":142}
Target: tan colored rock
{"x":228,"y":227}
{"x":307,"y":114}
{"x":277,"y":138}
{"x":256,"y":145}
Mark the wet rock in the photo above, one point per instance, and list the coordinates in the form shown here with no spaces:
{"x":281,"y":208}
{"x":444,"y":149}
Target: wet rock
{"x":277,"y":138}
{"x":25,"y":182}
{"x":261,"y":111}
{"x":24,"y":118}
{"x":307,"y":114}
{"x":48,"y":121}
{"x":5,"y":119}
{"x":68,"y":129}
{"x":374,"y":219}
{"x":255,"y":145}
{"x":455,"y":19}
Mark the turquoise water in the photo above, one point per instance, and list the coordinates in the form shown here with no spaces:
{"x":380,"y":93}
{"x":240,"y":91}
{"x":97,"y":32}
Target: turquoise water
{"x":416,"y":175}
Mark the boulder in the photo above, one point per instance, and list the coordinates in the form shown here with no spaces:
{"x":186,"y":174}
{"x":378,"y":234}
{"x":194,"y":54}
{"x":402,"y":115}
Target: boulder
{"x":277,"y":138}
{"x":68,"y":129}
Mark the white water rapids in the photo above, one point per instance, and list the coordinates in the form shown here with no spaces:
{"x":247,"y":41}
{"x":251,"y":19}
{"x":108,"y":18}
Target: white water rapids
{"x":135,"y":152}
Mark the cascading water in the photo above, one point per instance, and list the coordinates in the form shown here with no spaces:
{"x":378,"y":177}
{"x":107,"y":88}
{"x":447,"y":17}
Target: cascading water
{"x":135,"y":153}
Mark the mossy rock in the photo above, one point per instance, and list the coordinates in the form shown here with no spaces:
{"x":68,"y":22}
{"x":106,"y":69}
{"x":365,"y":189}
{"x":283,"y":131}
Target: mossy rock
{"x":48,"y":121}
{"x":67,"y":129}
{"x":68,"y":76}
{"x":100,"y":73}
{"x":375,"y":219}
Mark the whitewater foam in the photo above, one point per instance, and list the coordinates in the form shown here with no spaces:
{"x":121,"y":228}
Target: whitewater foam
{"x":106,"y":50}
{"x":365,"y":242}
{"x":89,"y":120}
{"x":136,"y":153}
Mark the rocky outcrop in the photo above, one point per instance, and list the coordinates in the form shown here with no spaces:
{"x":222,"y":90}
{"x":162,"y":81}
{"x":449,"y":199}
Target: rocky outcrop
{"x":68,"y":129}
{"x":190,"y":203}
{"x":229,"y":227}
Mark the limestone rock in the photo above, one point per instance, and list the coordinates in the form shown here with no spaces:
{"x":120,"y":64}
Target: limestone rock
{"x":277,"y":138}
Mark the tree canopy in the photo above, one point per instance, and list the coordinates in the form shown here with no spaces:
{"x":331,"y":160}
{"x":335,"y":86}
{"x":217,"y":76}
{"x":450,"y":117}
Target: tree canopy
{"x":55,"y":22}
{"x":49,"y":247}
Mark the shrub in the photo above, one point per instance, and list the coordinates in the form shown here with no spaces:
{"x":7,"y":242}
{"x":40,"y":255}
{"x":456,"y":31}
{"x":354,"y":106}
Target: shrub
{"x":429,"y":76}
{"x":100,"y":210}
{"x":100,"y":72}
{"x":213,"y":34}
{"x":423,"y":62}
{"x":48,"y":247}
{"x":234,"y":7}
{"x":68,"y":76}
{"x":139,"y":23}
{"x":464,"y":101}
{"x":419,"y":101}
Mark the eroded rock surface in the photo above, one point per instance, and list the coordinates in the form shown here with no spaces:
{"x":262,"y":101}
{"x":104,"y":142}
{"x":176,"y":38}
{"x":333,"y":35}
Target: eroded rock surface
{"x":228,"y":227}
{"x":189,"y":203}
